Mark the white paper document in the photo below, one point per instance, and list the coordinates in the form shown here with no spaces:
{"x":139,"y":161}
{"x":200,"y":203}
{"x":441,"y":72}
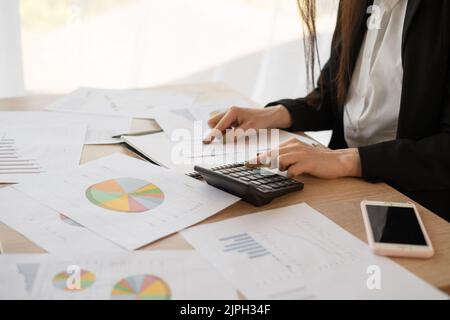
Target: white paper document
{"x":50,"y":230}
{"x":181,"y":145}
{"x":29,"y":150}
{"x":144,"y":275}
{"x":128,"y":201}
{"x":138,"y":103}
{"x":100,"y":128}
{"x":182,"y":157}
{"x":297,"y":253}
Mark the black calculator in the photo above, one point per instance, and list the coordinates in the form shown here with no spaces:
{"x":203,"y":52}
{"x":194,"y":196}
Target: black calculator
{"x":254,"y":185}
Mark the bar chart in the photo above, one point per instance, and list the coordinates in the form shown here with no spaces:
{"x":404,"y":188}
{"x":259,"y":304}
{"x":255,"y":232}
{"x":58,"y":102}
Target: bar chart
{"x":12,"y":162}
{"x":244,"y":244}
{"x":30,"y":149}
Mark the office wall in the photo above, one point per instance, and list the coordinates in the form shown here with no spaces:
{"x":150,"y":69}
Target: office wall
{"x":11,"y":72}
{"x":266,"y":75}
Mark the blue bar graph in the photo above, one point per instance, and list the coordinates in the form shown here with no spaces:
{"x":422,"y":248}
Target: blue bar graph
{"x":244,"y":244}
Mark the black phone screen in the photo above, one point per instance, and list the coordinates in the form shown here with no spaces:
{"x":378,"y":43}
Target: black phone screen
{"x":395,"y":225}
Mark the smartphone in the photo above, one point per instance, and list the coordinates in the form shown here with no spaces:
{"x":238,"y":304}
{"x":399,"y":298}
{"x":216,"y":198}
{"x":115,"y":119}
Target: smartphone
{"x":396,"y":230}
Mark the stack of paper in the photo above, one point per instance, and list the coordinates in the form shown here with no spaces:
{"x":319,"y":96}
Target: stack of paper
{"x":151,"y":275}
{"x":132,"y":103}
{"x":29,"y":150}
{"x":119,"y":203}
{"x":297,"y":253}
{"x":181,"y":146}
{"x":128,"y":201}
{"x":100,"y":128}
{"x":53,"y":231}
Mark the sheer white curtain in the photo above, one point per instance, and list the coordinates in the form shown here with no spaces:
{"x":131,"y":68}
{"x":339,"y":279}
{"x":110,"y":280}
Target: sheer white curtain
{"x":253,"y":45}
{"x":11,"y":75}
{"x":277,"y":69}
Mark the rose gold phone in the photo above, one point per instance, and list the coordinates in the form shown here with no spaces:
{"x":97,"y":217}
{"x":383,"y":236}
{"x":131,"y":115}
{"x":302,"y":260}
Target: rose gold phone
{"x":396,"y":230}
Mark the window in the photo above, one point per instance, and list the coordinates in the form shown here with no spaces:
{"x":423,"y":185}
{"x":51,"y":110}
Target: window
{"x":142,"y":43}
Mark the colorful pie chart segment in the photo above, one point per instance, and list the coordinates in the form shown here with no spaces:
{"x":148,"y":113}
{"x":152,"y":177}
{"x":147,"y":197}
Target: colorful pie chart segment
{"x":86,"y":280}
{"x":127,"y":195}
{"x":141,"y":287}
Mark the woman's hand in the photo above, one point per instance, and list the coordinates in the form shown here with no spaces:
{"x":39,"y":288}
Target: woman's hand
{"x":297,"y":158}
{"x":243,"y":119}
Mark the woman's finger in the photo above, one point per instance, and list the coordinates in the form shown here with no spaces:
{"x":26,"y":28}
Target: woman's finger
{"x":267,"y":159}
{"x":245,"y":129}
{"x":287,"y":160}
{"x":224,"y":123}
{"x":270,"y":158}
{"x":297,"y":169}
{"x":295,"y":142}
{"x":213,"y":121}
{"x":288,"y":149}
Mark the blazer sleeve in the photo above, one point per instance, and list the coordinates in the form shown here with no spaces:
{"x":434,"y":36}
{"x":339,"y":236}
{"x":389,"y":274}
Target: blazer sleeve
{"x":412,"y":165}
{"x":314,"y":112}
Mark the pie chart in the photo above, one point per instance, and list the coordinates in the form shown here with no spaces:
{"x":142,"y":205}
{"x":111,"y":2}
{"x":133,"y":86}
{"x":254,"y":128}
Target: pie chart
{"x":141,"y":287}
{"x":127,"y":195}
{"x":87,"y":279}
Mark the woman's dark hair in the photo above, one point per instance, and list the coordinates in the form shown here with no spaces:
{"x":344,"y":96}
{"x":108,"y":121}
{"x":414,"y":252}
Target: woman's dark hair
{"x":349,"y":16}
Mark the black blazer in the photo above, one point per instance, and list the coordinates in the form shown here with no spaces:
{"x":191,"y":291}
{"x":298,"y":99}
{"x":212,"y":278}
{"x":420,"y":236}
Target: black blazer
{"x":418,"y":162}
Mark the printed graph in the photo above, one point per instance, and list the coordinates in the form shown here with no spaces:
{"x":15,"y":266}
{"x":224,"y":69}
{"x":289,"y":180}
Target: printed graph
{"x":127,"y":195}
{"x":244,"y":244}
{"x":141,"y":287}
{"x":29,"y":272}
{"x":12,"y":162}
{"x":87,"y":279}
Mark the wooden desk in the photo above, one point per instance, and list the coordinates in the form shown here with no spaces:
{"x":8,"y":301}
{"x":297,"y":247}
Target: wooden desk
{"x":339,"y":200}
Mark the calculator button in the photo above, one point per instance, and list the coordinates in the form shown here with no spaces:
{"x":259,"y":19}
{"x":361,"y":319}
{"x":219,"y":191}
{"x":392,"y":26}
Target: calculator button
{"x":268,"y":174}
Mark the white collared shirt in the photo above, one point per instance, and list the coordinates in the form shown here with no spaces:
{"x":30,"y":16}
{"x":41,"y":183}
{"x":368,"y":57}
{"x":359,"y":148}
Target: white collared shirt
{"x":373,"y":104}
